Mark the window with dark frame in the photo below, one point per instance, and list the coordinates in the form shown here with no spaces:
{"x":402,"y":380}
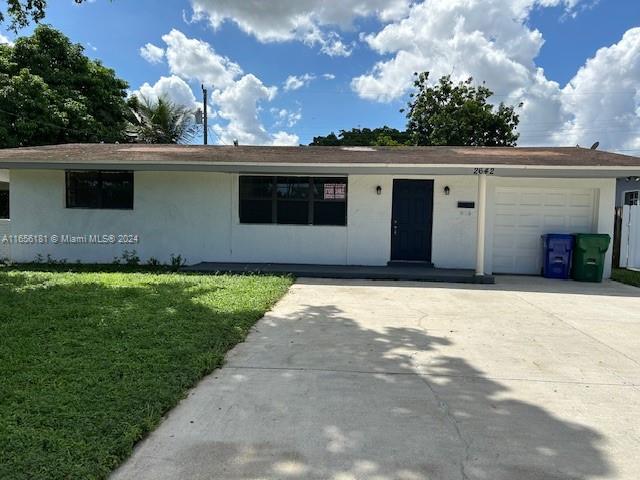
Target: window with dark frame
{"x":293,"y":200}
{"x":631,"y":198}
{"x":99,"y":189}
{"x":4,"y":204}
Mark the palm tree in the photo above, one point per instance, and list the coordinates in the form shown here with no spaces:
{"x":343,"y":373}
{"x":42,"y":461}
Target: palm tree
{"x":162,"y":121}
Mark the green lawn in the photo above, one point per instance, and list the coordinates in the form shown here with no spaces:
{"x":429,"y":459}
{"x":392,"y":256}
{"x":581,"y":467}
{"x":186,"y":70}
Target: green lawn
{"x":89,"y":362}
{"x":629,"y":277}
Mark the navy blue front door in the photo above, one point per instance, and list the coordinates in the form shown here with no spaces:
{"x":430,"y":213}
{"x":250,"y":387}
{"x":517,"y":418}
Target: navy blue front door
{"x":412,"y":220}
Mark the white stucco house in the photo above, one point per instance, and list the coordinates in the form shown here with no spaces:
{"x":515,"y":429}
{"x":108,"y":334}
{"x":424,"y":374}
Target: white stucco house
{"x":456,"y":207}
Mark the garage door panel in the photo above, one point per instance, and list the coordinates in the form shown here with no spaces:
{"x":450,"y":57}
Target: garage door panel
{"x":527,"y":264}
{"x":582,"y":200}
{"x":506,"y":198}
{"x":522,"y":216}
{"x":503,"y":263}
{"x":529,"y":221}
{"x":527,"y":242}
{"x":503,"y":240}
{"x":505,"y":220}
{"x":555,"y":222}
{"x":555,"y":199}
{"x":531,"y":199}
{"x":582,"y":224}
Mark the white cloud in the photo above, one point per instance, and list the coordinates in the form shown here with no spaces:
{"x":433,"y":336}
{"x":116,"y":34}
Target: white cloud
{"x":284,"y":139}
{"x":195,"y":59}
{"x":173,"y":88}
{"x":5,"y":41}
{"x":238,"y":104}
{"x":152,"y":53}
{"x":333,"y":46}
{"x":493,"y":42}
{"x":489,"y":40}
{"x":294,"y":82}
{"x":328,"y":76}
{"x":313,"y":22}
{"x":603,"y":99}
{"x":235,"y":98}
{"x":286,"y":117}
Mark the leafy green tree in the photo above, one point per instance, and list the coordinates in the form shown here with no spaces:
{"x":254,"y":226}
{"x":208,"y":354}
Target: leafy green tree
{"x":364,"y":137}
{"x":458,"y":114}
{"x":162,"y":121}
{"x":51,"y":93}
{"x":24,"y":12}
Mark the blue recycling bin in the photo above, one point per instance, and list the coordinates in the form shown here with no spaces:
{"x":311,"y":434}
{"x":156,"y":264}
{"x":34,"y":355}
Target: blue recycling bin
{"x":557,"y":250}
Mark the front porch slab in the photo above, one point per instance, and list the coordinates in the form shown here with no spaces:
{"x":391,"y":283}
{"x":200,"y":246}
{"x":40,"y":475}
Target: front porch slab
{"x":411,"y":272}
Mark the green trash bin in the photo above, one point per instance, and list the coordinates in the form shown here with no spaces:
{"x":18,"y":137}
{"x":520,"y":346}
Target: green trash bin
{"x":588,"y":256}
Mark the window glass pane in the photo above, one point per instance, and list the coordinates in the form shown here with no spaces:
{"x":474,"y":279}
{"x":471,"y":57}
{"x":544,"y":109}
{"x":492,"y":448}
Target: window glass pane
{"x":293,"y":187}
{"x":297,"y":200}
{"x":294,"y":212}
{"x":117,"y":190}
{"x":256,"y":187}
{"x":4,"y":204}
{"x":100,"y":189}
{"x":255,"y":211}
{"x":330,"y":213}
{"x":83,"y":190}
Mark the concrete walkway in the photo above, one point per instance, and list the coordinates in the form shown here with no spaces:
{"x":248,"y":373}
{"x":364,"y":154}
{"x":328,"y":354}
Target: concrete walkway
{"x":528,"y":379}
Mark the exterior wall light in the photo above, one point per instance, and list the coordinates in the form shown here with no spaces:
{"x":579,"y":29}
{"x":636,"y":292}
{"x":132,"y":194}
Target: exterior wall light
{"x":447,"y":190}
{"x":379,"y":190}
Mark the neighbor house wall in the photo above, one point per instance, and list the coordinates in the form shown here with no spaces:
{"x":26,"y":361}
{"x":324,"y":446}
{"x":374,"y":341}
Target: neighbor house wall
{"x":624,"y":185}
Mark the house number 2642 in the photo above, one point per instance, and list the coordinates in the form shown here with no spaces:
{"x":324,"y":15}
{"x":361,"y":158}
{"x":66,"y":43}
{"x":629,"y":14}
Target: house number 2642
{"x":484,"y":171}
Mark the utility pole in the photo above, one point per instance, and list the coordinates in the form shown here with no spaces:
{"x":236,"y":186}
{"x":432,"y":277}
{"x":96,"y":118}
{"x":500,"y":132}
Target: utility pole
{"x":205,"y":119}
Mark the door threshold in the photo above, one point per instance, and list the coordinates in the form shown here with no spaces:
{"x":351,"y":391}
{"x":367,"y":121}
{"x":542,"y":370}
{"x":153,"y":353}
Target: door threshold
{"x":410,"y":263}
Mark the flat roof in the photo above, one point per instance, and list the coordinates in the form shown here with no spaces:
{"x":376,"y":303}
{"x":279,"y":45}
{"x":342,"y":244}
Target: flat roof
{"x":419,"y":160}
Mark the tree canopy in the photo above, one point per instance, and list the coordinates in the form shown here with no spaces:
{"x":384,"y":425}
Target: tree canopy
{"x":51,"y":93}
{"x":162,"y":121}
{"x":24,"y":12}
{"x":442,"y":114}
{"x":365,"y":137}
{"x":458,"y":114}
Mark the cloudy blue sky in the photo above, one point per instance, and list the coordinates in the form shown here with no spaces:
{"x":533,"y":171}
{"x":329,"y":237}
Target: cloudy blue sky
{"x":283,"y":71}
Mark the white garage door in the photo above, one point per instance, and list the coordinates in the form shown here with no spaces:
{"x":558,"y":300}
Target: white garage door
{"x":522,"y":215}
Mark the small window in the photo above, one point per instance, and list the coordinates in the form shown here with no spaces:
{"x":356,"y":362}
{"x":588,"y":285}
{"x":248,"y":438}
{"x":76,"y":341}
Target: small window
{"x":631,"y":198}
{"x":97,"y":189}
{"x":4,"y":204}
{"x":293,"y":200}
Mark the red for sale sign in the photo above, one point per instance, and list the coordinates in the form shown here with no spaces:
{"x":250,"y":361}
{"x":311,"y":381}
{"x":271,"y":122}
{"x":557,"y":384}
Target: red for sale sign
{"x":335,"y":191}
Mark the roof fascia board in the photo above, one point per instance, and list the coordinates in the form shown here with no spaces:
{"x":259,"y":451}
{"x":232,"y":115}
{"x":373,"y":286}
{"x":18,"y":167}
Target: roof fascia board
{"x":342,"y":169}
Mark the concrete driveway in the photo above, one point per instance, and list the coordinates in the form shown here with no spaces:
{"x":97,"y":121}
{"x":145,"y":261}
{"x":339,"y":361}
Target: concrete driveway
{"x":525,"y":379}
